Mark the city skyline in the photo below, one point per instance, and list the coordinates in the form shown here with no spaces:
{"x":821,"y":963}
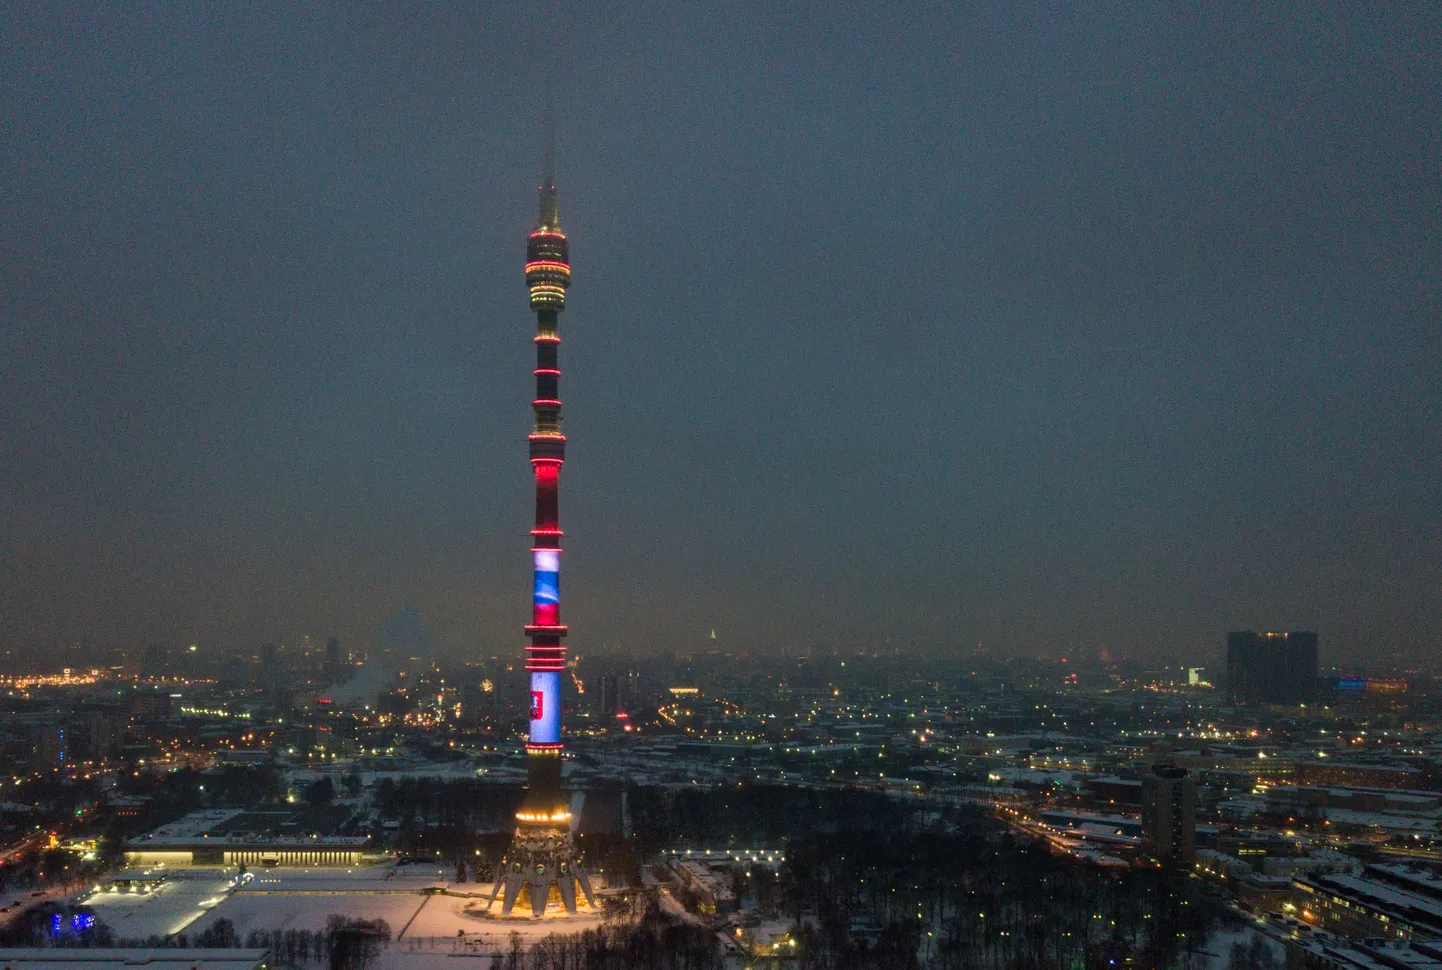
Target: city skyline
{"x":1084,"y":331}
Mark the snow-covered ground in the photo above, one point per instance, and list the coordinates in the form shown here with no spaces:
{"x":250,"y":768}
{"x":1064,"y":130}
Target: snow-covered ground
{"x":445,"y":917}
{"x":410,"y":898}
{"x":185,"y":897}
{"x":1217,"y":951}
{"x":16,"y":901}
{"x":309,"y":911}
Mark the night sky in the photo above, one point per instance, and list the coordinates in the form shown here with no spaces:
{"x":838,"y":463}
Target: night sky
{"x":1056,"y":327}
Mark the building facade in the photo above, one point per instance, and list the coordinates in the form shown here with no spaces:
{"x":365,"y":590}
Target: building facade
{"x":1271,"y":668}
{"x":1169,"y":813}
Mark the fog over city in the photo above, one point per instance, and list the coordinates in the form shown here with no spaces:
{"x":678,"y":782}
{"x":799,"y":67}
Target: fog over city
{"x":1060,"y":329}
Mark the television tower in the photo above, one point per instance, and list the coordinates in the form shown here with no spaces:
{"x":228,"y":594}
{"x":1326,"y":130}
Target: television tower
{"x":543,"y":854}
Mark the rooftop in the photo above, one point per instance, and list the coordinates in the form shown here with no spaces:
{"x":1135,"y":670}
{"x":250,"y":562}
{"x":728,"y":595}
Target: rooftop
{"x":301,"y":826}
{"x":1396,"y":902}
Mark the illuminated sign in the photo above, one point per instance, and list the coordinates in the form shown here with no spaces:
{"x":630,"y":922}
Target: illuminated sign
{"x":545,"y":707}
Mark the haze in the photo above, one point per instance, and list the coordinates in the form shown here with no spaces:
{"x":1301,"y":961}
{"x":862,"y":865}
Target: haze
{"x":1057,"y":328}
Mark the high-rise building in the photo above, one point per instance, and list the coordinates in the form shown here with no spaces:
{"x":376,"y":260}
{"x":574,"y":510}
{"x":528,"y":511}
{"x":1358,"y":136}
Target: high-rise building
{"x":1272,"y":668}
{"x":104,"y":734}
{"x":40,"y":739}
{"x":1169,"y":813}
{"x":332,"y":667}
{"x":473,"y":701}
{"x":269,"y":666}
{"x":157,"y":659}
{"x":543,"y":853}
{"x":609,"y":696}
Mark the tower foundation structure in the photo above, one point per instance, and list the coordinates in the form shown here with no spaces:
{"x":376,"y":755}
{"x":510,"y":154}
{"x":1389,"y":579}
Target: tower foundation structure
{"x":539,"y":860}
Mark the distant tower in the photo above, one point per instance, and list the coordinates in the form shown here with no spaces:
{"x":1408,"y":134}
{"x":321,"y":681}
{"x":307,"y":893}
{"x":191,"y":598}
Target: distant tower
{"x":543,"y":854}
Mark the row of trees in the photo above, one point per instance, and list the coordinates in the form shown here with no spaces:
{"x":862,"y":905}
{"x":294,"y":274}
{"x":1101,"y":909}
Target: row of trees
{"x":652,"y":943}
{"x":872,"y":881}
{"x":964,"y":892}
{"x":346,"y":943}
{"x":454,"y":803}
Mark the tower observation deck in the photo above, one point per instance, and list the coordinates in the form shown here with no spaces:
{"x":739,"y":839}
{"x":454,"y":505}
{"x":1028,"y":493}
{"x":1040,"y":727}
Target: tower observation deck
{"x":543,"y":859}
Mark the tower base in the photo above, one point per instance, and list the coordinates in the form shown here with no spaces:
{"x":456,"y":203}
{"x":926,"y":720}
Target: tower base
{"x":540,"y":858}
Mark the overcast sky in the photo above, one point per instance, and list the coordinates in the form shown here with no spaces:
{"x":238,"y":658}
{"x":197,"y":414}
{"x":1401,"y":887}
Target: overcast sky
{"x":1058,"y":327}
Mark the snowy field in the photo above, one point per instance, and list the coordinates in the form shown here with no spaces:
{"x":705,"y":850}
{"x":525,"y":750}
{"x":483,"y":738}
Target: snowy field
{"x":309,"y":911}
{"x":419,"y":921}
{"x":302,"y":899}
{"x":181,"y":901}
{"x":422,"y":919}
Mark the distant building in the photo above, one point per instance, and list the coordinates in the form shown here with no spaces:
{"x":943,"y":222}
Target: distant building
{"x":50,"y":745}
{"x":1383,"y":902}
{"x":1115,"y":791}
{"x":36,"y":740}
{"x":157,"y":659}
{"x":1169,"y":813}
{"x":333,"y":668}
{"x":230,"y":837}
{"x":244,"y":757}
{"x":1224,"y":869}
{"x":470,"y":695}
{"x":152,"y":704}
{"x":1323,"y":952}
{"x":713,"y":893}
{"x":1271,"y":668}
{"x":1265,"y":894}
{"x":1332,"y":772}
{"x":609,"y":696}
{"x":103,"y":733}
{"x":269,"y":666}
{"x":128,"y":806}
{"x":1370,"y":696}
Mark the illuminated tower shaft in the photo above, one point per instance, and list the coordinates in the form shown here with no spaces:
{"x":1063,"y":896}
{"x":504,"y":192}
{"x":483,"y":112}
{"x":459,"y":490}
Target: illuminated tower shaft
{"x":543,"y":856}
{"x":548,"y":273}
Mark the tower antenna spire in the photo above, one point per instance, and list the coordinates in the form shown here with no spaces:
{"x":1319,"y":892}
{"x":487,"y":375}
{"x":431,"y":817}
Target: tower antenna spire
{"x":548,"y":143}
{"x":550,"y":206}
